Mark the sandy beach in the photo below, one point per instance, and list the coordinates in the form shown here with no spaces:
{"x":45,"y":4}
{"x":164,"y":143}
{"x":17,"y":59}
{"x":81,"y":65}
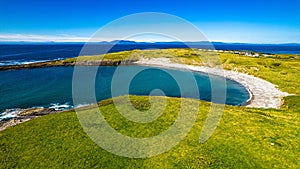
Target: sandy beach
{"x":263,"y":94}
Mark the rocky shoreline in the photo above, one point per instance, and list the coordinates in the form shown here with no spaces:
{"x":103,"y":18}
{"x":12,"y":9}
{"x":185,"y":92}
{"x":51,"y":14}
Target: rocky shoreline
{"x":37,"y":65}
{"x":23,"y":115}
{"x":57,"y":63}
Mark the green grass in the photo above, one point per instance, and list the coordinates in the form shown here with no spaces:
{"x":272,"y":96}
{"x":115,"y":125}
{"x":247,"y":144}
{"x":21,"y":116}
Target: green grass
{"x":188,"y":56}
{"x":244,"y":138}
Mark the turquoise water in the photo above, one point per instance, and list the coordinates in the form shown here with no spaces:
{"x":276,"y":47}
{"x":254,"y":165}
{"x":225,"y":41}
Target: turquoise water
{"x":52,"y":87}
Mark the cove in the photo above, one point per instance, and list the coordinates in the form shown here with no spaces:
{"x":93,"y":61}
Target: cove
{"x":52,"y":86}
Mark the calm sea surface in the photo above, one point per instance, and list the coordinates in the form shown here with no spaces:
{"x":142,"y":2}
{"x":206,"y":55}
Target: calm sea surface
{"x":46,"y":87}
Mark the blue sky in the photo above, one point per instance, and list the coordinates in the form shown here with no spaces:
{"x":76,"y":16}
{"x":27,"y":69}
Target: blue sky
{"x":255,"y":21}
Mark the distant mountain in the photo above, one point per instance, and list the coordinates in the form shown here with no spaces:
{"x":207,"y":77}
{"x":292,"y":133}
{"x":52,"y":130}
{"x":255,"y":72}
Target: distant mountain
{"x":124,"y":42}
{"x":129,"y":42}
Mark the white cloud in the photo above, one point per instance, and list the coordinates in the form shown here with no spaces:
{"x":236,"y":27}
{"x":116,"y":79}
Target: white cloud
{"x":41,"y":38}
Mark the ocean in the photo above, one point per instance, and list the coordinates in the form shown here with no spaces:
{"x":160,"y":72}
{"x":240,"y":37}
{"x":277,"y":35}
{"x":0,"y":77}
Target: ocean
{"x":52,"y":87}
{"x":12,"y":54}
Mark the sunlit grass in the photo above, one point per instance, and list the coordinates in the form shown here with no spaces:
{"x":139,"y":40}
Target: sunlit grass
{"x":244,"y":138}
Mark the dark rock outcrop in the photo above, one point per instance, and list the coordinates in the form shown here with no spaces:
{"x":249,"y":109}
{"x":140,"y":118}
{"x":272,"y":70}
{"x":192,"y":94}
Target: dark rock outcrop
{"x":68,"y":63}
{"x":36,"y":112}
{"x":26,"y":115}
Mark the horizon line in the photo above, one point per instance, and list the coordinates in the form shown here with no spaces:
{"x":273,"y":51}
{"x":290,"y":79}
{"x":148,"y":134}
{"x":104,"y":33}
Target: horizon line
{"x":152,"y":42}
{"x":72,"y":38}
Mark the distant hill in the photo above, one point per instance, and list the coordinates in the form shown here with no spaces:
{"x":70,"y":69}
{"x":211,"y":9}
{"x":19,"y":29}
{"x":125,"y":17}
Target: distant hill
{"x":130,"y":42}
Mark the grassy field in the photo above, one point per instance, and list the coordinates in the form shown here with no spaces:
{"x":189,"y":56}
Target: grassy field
{"x":245,"y":137}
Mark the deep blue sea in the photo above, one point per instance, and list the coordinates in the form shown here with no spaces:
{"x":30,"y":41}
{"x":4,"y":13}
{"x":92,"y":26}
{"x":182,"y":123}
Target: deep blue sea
{"x":52,"y":87}
{"x":21,"y":54}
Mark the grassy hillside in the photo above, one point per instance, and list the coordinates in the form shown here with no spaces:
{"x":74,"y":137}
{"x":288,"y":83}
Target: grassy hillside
{"x":245,"y":137}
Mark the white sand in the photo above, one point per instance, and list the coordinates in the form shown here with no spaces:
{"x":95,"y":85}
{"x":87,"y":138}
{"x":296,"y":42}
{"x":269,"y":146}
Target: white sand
{"x":263,"y":93}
